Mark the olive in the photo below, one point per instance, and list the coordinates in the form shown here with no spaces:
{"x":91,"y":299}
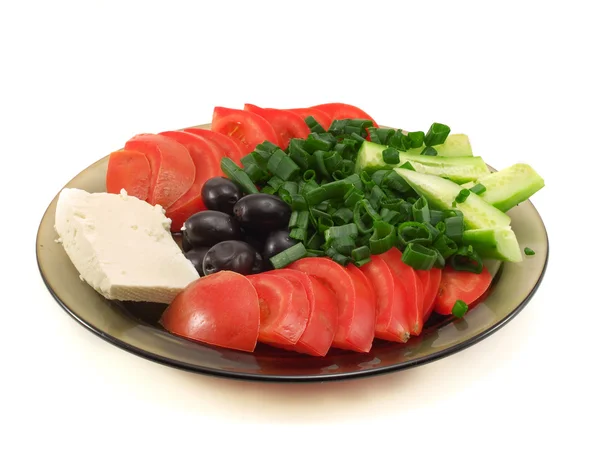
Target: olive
{"x":232,"y":255}
{"x":262,"y":212}
{"x":259,"y":264}
{"x":277,"y":242}
{"x":220,"y":194}
{"x":185,"y":244}
{"x":209,"y":227}
{"x":196,"y":256}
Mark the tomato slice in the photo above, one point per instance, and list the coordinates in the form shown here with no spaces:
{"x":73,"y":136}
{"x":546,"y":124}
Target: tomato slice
{"x":339,"y":281}
{"x":206,"y":161}
{"x":287,"y":125}
{"x":220,"y":309}
{"x":129,"y":170}
{"x":322,"y":317}
{"x":391,"y":320}
{"x":340,"y":111}
{"x":412,"y":286}
{"x":283,"y":309}
{"x":171,"y":166}
{"x":364,"y":313}
{"x":321,"y":117}
{"x":464,"y":285}
{"x":224,"y":145}
{"x":247,"y":128}
{"x":435,"y":276}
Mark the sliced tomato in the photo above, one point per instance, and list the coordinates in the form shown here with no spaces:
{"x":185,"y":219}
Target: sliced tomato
{"x":322,"y":318}
{"x":340,"y":111}
{"x":288,"y":125}
{"x":171,"y":166}
{"x":412,"y":286}
{"x":435,"y":276}
{"x":129,"y":170}
{"x":247,"y":128}
{"x":206,"y":162}
{"x":224,"y":144}
{"x":391,"y":320}
{"x":464,"y":285}
{"x":364,"y":312}
{"x":338,"y":280}
{"x":283,"y":309}
{"x":321,"y":117}
{"x":220,"y":309}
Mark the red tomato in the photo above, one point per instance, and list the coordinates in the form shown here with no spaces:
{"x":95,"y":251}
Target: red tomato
{"x":287,"y":125}
{"x":412,"y":286}
{"x":340,"y":111}
{"x":283,"y":309}
{"x":206,"y":161}
{"x":225,"y":145}
{"x":391,"y":320}
{"x":321,"y":117}
{"x":171,"y":166}
{"x":339,"y":281}
{"x":220,"y":309}
{"x":247,"y":128}
{"x":464,"y":285}
{"x":364,"y":313}
{"x":128,"y":170}
{"x":435,"y":276}
{"x":322,"y":318}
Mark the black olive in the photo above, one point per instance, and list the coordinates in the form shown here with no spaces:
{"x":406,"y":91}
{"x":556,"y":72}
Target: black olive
{"x":259,"y":264}
{"x":262,"y":212}
{"x":220,"y":194}
{"x":277,"y":242}
{"x":185,"y":244}
{"x":196,"y":256}
{"x":209,"y":227}
{"x":232,"y":255}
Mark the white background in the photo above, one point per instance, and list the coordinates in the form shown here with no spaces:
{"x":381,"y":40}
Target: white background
{"x":520,"y":78}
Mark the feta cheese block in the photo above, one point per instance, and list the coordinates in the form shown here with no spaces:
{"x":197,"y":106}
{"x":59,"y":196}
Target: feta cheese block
{"x":122,"y":246}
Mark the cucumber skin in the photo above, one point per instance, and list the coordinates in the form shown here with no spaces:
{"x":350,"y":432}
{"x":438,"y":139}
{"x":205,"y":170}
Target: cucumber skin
{"x":496,"y":243}
{"x":455,"y":145}
{"x":478,"y":214}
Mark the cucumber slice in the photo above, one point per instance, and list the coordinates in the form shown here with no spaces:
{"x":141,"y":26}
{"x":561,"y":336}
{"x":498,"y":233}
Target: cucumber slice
{"x":458,"y":169}
{"x":455,"y":145}
{"x":494,"y":243}
{"x":441,"y":194}
{"x":510,"y":186}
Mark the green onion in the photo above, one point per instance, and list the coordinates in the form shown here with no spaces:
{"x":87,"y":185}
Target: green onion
{"x":255,"y":173}
{"x":314,"y":253}
{"x":342,"y":216}
{"x":420,"y":210}
{"x":337,"y":175}
{"x":309,"y":175}
{"x":455,"y":228}
{"x":302,"y":221}
{"x":359,"y":218}
{"x":343,"y":245}
{"x":335,"y":189}
{"x":358,"y":138}
{"x":462,"y":195}
{"x":436,"y":135}
{"x":360,"y":253}
{"x":399,"y":141}
{"x":445,"y":245}
{"x":416,"y":138}
{"x":413,"y":232}
{"x":337,"y":127}
{"x":354,"y":179}
{"x":466,"y":259}
{"x":366,"y":180}
{"x":408,"y":166}
{"x":320,"y":168}
{"x":347,"y":230}
{"x":390,"y":216}
{"x":314,"y":126}
{"x":324,"y":223}
{"x":276,"y":182}
{"x":391,"y":156}
{"x":280,"y":164}
{"x":299,"y":156}
{"x":361,"y":262}
{"x":379,"y":175}
{"x":309,"y":186}
{"x":435,"y":232}
{"x":478,"y":189}
{"x":440,"y":262}
{"x":263,"y":151}
{"x":353,"y":197}
{"x":529,"y":252}
{"x":396,"y":182}
{"x":315,"y":241}
{"x":380,"y":135}
{"x":337,"y":257}
{"x":298,"y":234}
{"x":298,"y":202}
{"x":429,"y":151}
{"x":323,"y":207}
{"x":376,"y":196}
{"x":419,"y":257}
{"x":293,"y":219}
{"x":460,"y":308}
{"x":435,"y":217}
{"x":383,"y":238}
{"x":286,"y":257}
{"x":236,"y":174}
{"x":347,"y":168}
{"x":314,"y":142}
{"x":268,"y":190}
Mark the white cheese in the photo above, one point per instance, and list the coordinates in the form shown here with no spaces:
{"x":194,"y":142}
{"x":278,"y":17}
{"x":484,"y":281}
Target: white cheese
{"x":122,"y":246}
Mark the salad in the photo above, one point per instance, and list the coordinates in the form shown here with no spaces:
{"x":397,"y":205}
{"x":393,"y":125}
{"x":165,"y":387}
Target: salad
{"x":305,"y":229}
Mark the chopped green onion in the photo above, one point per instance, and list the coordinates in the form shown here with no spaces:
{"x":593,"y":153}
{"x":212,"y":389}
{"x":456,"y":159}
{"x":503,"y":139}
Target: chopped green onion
{"x":354,"y":179}
{"x":337,"y":127}
{"x":396,"y":182}
{"x":323,"y":206}
{"x":416,"y":138}
{"x":324,"y":223}
{"x":335,"y":189}
{"x":280,"y":164}
{"x":478,"y":189}
{"x":276,"y":182}
{"x":298,"y":202}
{"x":391,"y":156}
{"x":315,"y":127}
{"x":347,"y":168}
{"x":460,"y":308}
{"x":359,"y":218}
{"x":315,"y":241}
{"x":435,"y":217}
{"x":362,"y":252}
{"x":357,"y":137}
{"x":380,"y":135}
{"x":383,"y":238}
{"x":268,"y":190}
{"x":352,"y":197}
{"x":429,"y":151}
{"x":255,"y":173}
{"x":299,"y":156}
{"x":435,"y":232}
{"x":390,"y":216}
{"x":436,"y":135}
{"x":420,"y":210}
{"x":419,"y":257}
{"x":320,"y":164}
{"x":286,"y":257}
{"x":445,"y":245}
{"x":316,"y":142}
{"x":236,"y":174}
{"x":293,"y":219}
{"x":263,"y":151}
{"x":366,"y":180}
{"x":466,"y":259}
{"x":337,"y":257}
{"x":399,"y":141}
{"x":379,"y":176}
{"x":408,"y":166}
{"x":463,"y":195}
{"x":302,"y":220}
{"x":298,"y":234}
{"x":347,"y":230}
{"x":309,"y":175}
{"x":309,"y":186}
{"x":343,"y":245}
{"x":455,"y":228}
{"x":529,"y":252}
{"x":342,"y":216}
{"x":376,"y":196}
{"x":413,"y":232}
{"x":314,"y":253}
{"x":361,"y":262}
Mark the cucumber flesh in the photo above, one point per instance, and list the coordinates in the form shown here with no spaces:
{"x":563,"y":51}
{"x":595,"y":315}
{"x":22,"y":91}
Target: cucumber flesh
{"x":494,"y":243}
{"x":510,"y":186}
{"x":441,"y":194}
{"x":455,"y":145}
{"x":458,"y":169}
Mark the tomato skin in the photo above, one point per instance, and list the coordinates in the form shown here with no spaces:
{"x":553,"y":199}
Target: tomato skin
{"x":340,"y":111}
{"x":321,"y":117}
{"x":363,"y":329}
{"x":455,"y":285}
{"x":435,"y":277}
{"x":220,"y":309}
{"x":247,"y":128}
{"x":224,"y":145}
{"x":412,"y":286}
{"x":129,"y":170}
{"x":287,"y":125}
{"x":391,"y":320}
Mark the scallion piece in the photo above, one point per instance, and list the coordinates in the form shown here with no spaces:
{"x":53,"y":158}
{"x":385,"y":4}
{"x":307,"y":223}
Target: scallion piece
{"x":466,"y":259}
{"x":383,"y":238}
{"x":420,"y":210}
{"x":429,"y":151}
{"x":415,"y":139}
{"x":314,"y":126}
{"x":324,"y":223}
{"x":288,"y":256}
{"x":276,"y":182}
{"x":455,"y":227}
{"x":354,"y":179}
{"x":528,"y":251}
{"x":376,"y":196}
{"x":366,"y":180}
{"x":408,"y":166}
{"x":293,"y":219}
{"x":379,"y":176}
{"x":343,"y":245}
{"x":280,"y":164}
{"x":321,"y":141}
{"x":298,"y":202}
{"x":435,"y":217}
{"x":413,"y":232}
{"x":352,"y":197}
{"x":298,"y":234}
{"x":314,"y":253}
{"x":315,"y":241}
{"x":335,"y":189}
{"x":332,"y":161}
{"x":435,"y":232}
{"x":236,"y":174}
{"x":396,"y":182}
{"x":460,"y":308}
{"x":436,"y":135}
{"x":347,"y":168}
{"x":263,"y":151}
{"x":380,"y":135}
{"x":390,"y":216}
{"x":342,"y":216}
{"x":319,"y":165}
{"x":268,"y":190}
{"x":337,"y":127}
{"x":462,"y":195}
{"x":309,"y":175}
{"x":362,"y":252}
{"x":358,"y":138}
{"x":299,"y":156}
{"x":302,"y":222}
{"x":255,"y":173}
{"x":337,"y":257}
{"x":347,"y":230}
{"x":361,"y":262}
{"x":478,"y":189}
{"x":391,"y":156}
{"x":398,"y":141}
{"x":419,"y":257}
{"x":445,"y":245}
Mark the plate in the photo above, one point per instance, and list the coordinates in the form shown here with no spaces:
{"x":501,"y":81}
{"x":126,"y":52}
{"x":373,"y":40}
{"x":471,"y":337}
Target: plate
{"x":133,"y":327}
